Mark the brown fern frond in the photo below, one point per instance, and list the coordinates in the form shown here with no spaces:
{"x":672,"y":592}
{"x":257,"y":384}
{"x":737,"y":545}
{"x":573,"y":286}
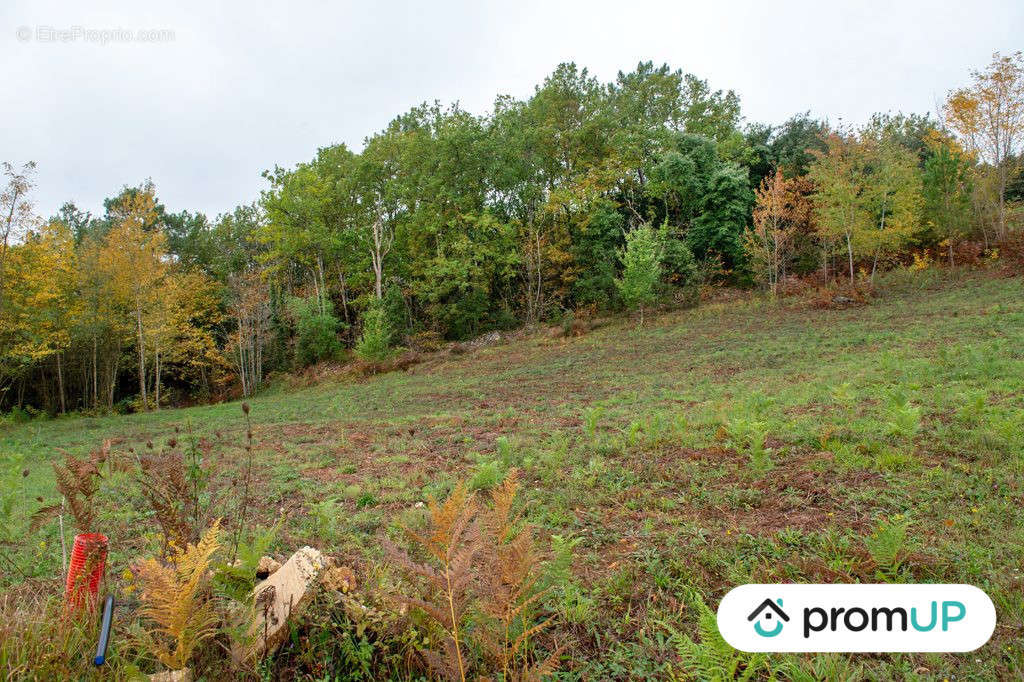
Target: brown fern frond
{"x":43,"y":515}
{"x":451,"y":541}
{"x":543,"y":669}
{"x":510,"y":573}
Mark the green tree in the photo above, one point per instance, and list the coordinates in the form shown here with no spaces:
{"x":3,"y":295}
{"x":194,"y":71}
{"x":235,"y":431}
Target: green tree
{"x":947,"y":193}
{"x":641,"y":268}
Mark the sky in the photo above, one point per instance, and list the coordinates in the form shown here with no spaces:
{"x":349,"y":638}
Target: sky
{"x":201,"y":97}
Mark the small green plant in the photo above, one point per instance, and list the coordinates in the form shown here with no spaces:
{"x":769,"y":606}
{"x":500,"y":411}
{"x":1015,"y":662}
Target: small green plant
{"x":974,"y":408}
{"x":504,"y":451}
{"x":591,"y":418}
{"x":887,"y":546}
{"x":751,"y":435}
{"x":323,"y":517}
{"x":489,"y":473}
{"x":843,"y":394}
{"x":634,"y":433}
{"x":236,"y":579}
{"x":904,"y":418}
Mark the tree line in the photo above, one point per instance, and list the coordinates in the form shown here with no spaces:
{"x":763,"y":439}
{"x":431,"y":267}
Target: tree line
{"x":446,"y":225}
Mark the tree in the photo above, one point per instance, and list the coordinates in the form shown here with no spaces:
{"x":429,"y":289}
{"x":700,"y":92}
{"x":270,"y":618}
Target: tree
{"x":868,"y":195}
{"x":641,"y":268}
{"x":250,"y":308}
{"x":780,"y":210}
{"x":947,"y":192}
{"x":989,"y":117}
{"x":16,"y":212}
{"x":135,"y":258}
{"x":841,"y":177}
{"x":316,"y":330}
{"x":893,"y":196}
{"x":34,"y":324}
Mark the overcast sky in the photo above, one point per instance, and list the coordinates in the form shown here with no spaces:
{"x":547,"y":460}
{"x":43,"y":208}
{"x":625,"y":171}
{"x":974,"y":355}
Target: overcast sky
{"x":236,"y":88}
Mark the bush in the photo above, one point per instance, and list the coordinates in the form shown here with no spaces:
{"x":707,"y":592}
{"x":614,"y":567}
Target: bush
{"x":316,"y":329}
{"x":374,"y":343}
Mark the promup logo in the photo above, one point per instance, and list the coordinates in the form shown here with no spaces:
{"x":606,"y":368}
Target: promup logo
{"x":856,"y":618}
{"x":767,"y":611}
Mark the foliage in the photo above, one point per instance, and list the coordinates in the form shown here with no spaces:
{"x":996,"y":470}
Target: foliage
{"x":782,"y":214}
{"x":947,"y":193}
{"x":316,"y":330}
{"x":989,"y":117}
{"x":173,"y":600}
{"x":641,"y":268}
{"x":868,"y":197}
{"x":374,"y":344}
{"x":711,"y":657}
{"x":77,"y":480}
{"x":452,"y":545}
{"x":888,"y":546}
{"x":482,"y":558}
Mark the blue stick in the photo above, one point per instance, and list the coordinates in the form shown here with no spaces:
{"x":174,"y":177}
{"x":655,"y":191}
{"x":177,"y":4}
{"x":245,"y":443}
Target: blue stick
{"x":108,"y":616}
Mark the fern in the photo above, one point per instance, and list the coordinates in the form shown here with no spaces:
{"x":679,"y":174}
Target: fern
{"x":236,"y":579}
{"x":172,"y":599}
{"x":887,"y":547}
{"x":77,"y":481}
{"x":712,"y":658}
{"x":904,"y":417}
{"x":510,"y":586}
{"x":451,"y":543}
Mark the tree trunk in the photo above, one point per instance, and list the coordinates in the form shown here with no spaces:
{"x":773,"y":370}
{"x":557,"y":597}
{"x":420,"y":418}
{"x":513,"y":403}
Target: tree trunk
{"x":60,"y":384}
{"x":142,"y":358}
{"x":156,"y":387}
{"x":849,"y":251}
{"x":95,"y":377}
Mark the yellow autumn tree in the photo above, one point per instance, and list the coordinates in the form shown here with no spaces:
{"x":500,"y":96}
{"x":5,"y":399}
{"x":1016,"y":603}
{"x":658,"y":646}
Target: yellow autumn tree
{"x":136,"y":263}
{"x":988,"y":115}
{"x":34,"y":324}
{"x":181,"y":331}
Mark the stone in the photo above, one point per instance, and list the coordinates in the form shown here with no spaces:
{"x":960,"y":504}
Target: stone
{"x":267,"y":567}
{"x":183,"y":675}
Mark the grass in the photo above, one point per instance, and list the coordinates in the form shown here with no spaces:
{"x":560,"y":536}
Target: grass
{"x":743,"y":441}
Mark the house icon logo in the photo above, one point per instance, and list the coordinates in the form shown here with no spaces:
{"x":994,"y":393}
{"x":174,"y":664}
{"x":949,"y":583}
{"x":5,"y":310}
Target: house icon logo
{"x":768,"y":612}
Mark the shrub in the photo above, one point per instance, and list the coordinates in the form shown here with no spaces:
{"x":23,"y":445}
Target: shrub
{"x":481,"y":560}
{"x":316,"y":329}
{"x":374,"y":344}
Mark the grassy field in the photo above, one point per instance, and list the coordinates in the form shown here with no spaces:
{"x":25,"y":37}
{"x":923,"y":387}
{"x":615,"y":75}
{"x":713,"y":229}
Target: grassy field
{"x":743,"y":441}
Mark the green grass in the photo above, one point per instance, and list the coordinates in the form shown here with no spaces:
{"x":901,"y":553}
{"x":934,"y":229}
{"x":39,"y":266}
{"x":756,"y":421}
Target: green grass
{"x":741,"y":441}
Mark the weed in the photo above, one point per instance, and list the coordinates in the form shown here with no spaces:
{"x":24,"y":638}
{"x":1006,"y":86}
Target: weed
{"x":489,"y":473}
{"x":591,"y":420}
{"x":904,"y":418}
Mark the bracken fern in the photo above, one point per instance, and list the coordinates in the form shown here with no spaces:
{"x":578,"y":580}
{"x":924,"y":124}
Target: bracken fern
{"x":172,"y":598}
